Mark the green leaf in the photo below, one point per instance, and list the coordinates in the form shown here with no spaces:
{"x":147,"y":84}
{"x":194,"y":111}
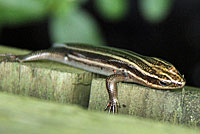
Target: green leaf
{"x":19,"y":11}
{"x":112,"y":9}
{"x":155,"y":11}
{"x":22,"y":11}
{"x":59,"y":7}
{"x":76,"y":26}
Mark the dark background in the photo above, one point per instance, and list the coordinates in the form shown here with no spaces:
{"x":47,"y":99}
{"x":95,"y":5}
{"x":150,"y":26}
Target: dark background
{"x":176,"y":39}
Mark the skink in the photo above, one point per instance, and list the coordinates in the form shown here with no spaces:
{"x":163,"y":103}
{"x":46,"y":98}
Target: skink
{"x":117,"y":64}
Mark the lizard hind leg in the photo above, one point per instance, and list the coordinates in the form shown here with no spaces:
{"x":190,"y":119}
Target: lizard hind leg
{"x":8,"y":57}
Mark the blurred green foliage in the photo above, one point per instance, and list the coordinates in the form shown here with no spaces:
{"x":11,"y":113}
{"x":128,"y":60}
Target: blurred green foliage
{"x":77,"y":26}
{"x":13,"y":12}
{"x":155,"y":11}
{"x":71,"y":23}
{"x":113,"y":9}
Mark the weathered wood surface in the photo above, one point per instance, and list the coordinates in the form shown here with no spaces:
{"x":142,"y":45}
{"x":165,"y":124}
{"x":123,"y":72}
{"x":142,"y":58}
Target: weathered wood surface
{"x":176,"y":106}
{"x":23,"y":115}
{"x":46,"y":80}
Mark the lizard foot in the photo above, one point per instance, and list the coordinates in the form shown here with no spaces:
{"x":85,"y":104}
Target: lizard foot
{"x":9,"y":58}
{"x":112,"y":106}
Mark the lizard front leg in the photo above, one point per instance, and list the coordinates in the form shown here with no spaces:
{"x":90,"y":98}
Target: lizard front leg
{"x":111,"y":85}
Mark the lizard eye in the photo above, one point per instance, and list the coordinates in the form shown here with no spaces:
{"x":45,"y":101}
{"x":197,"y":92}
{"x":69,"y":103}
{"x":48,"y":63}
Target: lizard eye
{"x":164,"y":84}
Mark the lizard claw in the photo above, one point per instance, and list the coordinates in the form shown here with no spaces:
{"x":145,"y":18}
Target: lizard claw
{"x":112,"y":106}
